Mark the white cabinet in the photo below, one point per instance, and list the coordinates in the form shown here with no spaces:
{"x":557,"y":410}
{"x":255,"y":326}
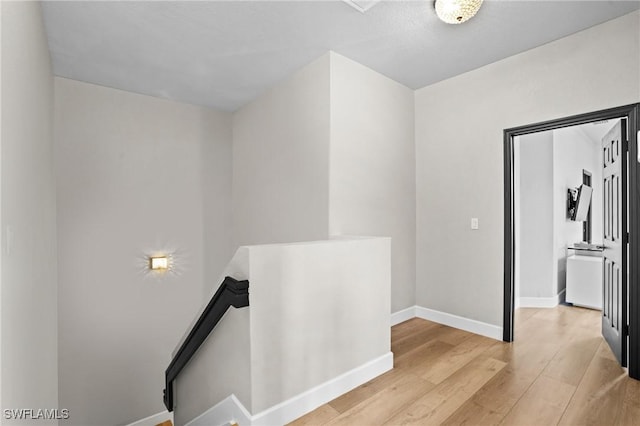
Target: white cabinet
{"x":584,"y":281}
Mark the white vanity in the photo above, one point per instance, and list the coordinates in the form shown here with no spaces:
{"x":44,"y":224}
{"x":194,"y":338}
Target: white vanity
{"x":584,"y":276}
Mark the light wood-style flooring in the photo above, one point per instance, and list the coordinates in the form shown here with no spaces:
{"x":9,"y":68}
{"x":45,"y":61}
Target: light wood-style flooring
{"x":558,"y":371}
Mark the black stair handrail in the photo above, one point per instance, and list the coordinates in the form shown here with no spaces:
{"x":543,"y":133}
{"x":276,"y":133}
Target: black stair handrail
{"x":230,"y":293}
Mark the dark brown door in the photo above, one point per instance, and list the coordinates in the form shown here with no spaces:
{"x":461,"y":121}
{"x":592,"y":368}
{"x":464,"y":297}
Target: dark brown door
{"x":614,"y":267}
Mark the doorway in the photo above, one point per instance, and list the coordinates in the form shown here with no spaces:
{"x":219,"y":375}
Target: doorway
{"x":552,"y":171}
{"x":629,"y":335}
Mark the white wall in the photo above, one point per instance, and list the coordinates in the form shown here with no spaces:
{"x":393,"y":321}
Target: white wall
{"x":459,"y":153}
{"x":573,"y":151}
{"x":372,"y":166}
{"x":332,"y":300}
{"x":281,"y":161}
{"x":1,"y":223}
{"x":216,"y":169}
{"x":135,"y":175}
{"x":29,"y":278}
{"x":535,"y":223}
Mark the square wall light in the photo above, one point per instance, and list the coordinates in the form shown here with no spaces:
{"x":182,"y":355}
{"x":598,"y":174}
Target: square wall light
{"x":158,"y":263}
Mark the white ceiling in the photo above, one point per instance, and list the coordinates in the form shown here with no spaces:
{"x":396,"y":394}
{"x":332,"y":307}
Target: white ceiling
{"x":223,"y":54}
{"x":596,"y":131}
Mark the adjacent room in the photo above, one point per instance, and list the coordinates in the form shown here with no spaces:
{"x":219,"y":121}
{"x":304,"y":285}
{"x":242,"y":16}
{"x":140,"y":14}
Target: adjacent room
{"x":559,"y":221}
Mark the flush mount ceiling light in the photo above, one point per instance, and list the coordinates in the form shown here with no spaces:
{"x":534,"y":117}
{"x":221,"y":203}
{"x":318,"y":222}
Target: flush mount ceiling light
{"x":457,"y":11}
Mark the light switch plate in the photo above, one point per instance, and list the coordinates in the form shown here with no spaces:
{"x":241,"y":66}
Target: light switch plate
{"x":474,"y":223}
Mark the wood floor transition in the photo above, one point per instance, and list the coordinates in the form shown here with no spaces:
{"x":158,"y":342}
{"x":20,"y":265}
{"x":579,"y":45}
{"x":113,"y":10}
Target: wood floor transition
{"x":558,"y":371}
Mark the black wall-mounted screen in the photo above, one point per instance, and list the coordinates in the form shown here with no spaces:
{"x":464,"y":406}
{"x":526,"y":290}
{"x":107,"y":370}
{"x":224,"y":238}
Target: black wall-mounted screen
{"x":582,"y":203}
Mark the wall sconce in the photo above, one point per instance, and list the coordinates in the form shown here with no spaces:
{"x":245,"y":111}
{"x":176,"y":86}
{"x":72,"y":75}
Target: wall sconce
{"x":158,"y":263}
{"x":161,"y":262}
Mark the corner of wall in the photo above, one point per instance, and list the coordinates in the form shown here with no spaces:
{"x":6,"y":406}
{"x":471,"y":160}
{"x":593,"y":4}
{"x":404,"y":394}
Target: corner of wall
{"x":1,"y":222}
{"x":292,"y":120}
{"x":28,"y":211}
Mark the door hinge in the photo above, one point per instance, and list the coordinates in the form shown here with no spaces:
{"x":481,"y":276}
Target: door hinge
{"x":625,"y":330}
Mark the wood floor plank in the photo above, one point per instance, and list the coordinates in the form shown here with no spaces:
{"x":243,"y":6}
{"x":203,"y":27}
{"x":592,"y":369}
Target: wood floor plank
{"x":629,"y":416}
{"x":543,"y":330}
{"x":632,"y":393}
{"x":600,"y":394}
{"x":533,"y":349}
{"x":425,"y":334}
{"x":421,"y":357}
{"x":521,"y":315}
{"x":473,"y":414}
{"x":447,"y":397}
{"x":542,"y":404}
{"x":367,"y":390}
{"x":407,"y":328}
{"x":319,"y":416}
{"x":456,"y":358}
{"x":605,"y":351}
{"x":500,"y":350}
{"x":502,"y":392}
{"x":571,"y":362}
{"x":382,"y":405}
{"x":530,"y":358}
{"x":590,"y":322}
{"x":565,"y":315}
{"x":452,"y":336}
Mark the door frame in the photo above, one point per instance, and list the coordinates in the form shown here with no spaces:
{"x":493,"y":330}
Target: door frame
{"x":632,"y":114}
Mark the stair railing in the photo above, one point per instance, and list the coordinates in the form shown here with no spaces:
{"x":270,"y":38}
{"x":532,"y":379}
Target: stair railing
{"x":230,"y":293}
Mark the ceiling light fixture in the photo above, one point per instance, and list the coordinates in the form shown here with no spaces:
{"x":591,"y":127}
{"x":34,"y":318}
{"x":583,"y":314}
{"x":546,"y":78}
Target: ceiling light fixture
{"x":457,"y":11}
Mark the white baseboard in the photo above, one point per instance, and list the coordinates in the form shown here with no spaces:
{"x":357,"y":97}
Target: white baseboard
{"x":540,"y":302}
{"x":466,"y":324}
{"x":232,"y":409}
{"x":228,"y":411}
{"x":403,"y":315}
{"x":154,"y":419}
{"x":313,"y":398}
